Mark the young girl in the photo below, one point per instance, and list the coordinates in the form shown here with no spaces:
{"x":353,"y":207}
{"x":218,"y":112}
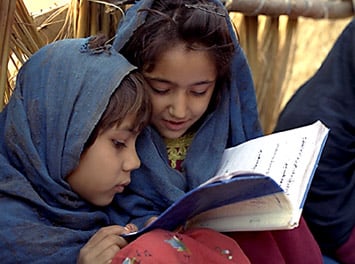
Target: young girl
{"x":203,"y":102}
{"x":67,"y":147}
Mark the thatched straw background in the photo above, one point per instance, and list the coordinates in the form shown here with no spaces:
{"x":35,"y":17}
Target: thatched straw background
{"x":7,"y":10}
{"x":285,"y":41}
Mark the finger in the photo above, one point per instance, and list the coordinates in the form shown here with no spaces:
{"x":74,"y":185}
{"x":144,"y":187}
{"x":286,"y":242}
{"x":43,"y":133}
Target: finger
{"x":103,"y":251}
{"x":102,"y":233}
{"x":109,"y":248}
{"x":131,"y":228}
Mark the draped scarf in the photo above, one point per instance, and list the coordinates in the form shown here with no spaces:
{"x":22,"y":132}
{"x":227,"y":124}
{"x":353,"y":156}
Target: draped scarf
{"x":155,"y":185}
{"x":60,"y":95}
{"x":329,"y":96}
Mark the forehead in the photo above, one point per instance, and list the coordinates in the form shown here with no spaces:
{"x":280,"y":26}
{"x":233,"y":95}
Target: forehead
{"x":185,"y":66}
{"x":128,"y":123}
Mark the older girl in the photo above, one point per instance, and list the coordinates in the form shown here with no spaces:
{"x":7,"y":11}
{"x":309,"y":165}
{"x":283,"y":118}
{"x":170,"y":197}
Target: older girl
{"x":203,"y":102}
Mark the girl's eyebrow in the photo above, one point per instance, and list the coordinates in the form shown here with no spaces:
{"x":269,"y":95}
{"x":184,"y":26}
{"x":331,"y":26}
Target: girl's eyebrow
{"x":158,"y":79}
{"x":126,"y":128}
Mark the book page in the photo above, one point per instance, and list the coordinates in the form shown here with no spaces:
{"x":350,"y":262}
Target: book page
{"x":262,"y":213}
{"x":289,"y":158}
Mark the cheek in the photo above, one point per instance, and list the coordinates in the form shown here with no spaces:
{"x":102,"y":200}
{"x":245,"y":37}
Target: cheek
{"x":199,"y":110}
{"x":97,"y":161}
{"x":199,"y":107}
{"x":159,"y":103}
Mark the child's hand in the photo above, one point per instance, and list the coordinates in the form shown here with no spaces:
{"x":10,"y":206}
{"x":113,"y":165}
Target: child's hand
{"x":131,"y":228}
{"x":103,"y":245}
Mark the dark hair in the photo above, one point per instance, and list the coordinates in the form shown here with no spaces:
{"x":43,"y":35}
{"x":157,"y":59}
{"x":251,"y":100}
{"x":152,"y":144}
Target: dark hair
{"x":129,"y":98}
{"x":200,"y":24}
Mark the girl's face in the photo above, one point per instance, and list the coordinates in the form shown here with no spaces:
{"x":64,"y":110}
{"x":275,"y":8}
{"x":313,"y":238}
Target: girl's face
{"x":182,"y":84}
{"x":104,"y":168}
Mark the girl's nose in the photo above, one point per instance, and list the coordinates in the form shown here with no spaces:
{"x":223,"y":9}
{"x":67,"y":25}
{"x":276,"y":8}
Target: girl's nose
{"x":178,"y":106}
{"x":132,"y":160}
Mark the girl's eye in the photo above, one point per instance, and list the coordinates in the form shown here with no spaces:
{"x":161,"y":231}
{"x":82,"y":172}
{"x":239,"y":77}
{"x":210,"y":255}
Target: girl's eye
{"x":160,"y":90}
{"x":199,"y":93}
{"x":118,"y":144}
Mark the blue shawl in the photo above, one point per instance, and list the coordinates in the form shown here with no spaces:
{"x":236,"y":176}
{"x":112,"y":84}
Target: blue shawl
{"x":329,"y":96}
{"x":59,"y":97}
{"x":155,"y":186}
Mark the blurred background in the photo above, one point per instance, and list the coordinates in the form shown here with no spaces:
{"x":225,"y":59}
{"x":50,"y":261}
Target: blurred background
{"x":285,"y":41}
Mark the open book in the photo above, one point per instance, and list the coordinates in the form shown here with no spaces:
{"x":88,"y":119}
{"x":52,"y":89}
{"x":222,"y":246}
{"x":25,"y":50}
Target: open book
{"x":262,"y":184}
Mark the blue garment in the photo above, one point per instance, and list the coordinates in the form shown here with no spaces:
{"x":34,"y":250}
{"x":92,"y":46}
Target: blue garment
{"x":60,"y":95}
{"x":155,"y":185}
{"x":328,"y":260}
{"x":329,"y":96}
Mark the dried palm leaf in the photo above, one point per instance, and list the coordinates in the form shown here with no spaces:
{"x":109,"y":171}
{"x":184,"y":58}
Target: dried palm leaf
{"x":7,"y":11}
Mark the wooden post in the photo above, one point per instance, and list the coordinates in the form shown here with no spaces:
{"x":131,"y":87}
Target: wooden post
{"x":293,"y":8}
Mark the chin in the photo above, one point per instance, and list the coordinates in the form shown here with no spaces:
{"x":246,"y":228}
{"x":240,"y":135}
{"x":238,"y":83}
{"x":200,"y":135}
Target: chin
{"x":173,"y":135}
{"x":170,"y":134}
{"x":103,"y":203}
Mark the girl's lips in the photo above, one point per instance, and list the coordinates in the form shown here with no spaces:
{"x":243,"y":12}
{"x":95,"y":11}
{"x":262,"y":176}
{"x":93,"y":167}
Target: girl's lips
{"x":119,"y":188}
{"x":174,"y":126}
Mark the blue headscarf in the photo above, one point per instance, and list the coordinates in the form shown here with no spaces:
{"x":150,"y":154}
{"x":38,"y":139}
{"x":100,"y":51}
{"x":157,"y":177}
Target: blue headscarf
{"x":61,"y":93}
{"x":156,"y":185}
